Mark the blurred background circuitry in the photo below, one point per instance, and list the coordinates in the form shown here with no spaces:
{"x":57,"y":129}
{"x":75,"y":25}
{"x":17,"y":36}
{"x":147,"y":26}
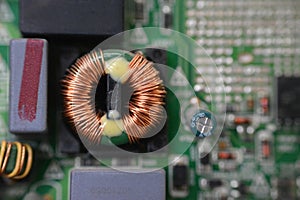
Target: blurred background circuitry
{"x":256,"y":47}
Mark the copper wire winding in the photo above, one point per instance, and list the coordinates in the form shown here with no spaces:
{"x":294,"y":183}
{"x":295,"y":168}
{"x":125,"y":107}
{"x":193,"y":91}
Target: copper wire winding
{"x":79,"y":90}
{"x":146,"y":103}
{"x":145,"y":106}
{"x":23,"y":159}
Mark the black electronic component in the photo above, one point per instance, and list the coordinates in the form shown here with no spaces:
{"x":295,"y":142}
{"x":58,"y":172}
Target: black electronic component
{"x":286,"y":188}
{"x":205,"y":160}
{"x":232,"y":108}
{"x":73,"y":18}
{"x":67,"y":141}
{"x":151,"y":144}
{"x":168,"y":20}
{"x":214,"y":183}
{"x":159,"y":57}
{"x":243,"y":189}
{"x":288,"y":97}
{"x":180,"y":177}
{"x":139,"y":10}
{"x":167,"y":16}
{"x":157,"y":141}
{"x":156,"y":55}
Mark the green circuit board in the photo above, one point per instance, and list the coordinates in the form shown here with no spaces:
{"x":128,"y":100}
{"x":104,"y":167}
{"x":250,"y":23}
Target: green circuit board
{"x":238,"y":57}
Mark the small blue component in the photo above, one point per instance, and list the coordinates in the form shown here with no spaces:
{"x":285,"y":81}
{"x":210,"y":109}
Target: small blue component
{"x":203,"y":123}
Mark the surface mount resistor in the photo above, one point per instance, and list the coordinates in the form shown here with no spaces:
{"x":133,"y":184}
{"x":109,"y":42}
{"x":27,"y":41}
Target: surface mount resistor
{"x":250,"y":104}
{"x":227,"y":159}
{"x":264,"y":103}
{"x":265,"y":149}
{"x":242,"y":121}
{"x":223,"y":155}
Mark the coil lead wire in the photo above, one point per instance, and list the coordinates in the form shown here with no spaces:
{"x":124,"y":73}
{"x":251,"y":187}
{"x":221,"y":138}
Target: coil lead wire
{"x":22,"y":156}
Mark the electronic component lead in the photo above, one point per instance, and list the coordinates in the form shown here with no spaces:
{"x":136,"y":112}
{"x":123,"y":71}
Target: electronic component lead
{"x":15,"y":160}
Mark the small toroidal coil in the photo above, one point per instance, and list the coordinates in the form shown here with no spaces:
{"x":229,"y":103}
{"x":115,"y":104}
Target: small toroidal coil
{"x":145,"y":107}
{"x":18,"y":167}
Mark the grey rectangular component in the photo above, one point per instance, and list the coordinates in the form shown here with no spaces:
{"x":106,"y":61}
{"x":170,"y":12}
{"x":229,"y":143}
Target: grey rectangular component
{"x":109,"y":184}
{"x":28,"y":86}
